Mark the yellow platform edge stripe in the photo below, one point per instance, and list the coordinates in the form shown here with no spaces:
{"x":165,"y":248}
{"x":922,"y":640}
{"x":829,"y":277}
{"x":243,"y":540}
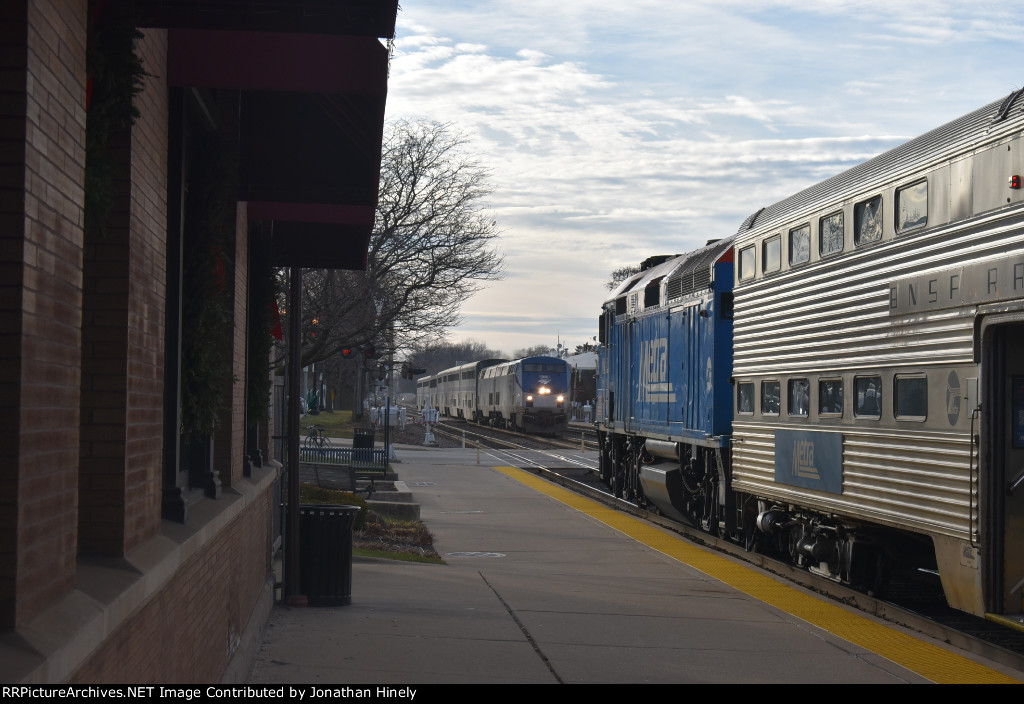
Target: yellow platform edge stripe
{"x":926,"y":659}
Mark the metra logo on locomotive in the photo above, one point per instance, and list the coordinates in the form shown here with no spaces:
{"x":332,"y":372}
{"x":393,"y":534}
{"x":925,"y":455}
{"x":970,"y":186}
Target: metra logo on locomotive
{"x":654,"y":383}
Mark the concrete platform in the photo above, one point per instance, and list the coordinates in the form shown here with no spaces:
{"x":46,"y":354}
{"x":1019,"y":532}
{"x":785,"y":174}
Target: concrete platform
{"x":538,"y":589}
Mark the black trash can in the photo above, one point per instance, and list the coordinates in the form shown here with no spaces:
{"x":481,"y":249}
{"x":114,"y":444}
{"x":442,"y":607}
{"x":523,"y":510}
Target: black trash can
{"x":362,"y":445}
{"x":325,"y":553}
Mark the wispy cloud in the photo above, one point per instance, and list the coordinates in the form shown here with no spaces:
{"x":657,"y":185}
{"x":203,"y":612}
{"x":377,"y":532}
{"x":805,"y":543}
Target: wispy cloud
{"x":617,"y":130}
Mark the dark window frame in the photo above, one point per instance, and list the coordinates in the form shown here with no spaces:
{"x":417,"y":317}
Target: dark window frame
{"x":777,"y":239}
{"x":822,"y":396}
{"x":739,"y":395}
{"x":778,"y":397}
{"x":897,"y":210}
{"x":743,"y":276}
{"x":876,"y":218}
{"x":914,"y":417}
{"x":858,"y":410}
{"x":806,"y":227}
{"x":821,"y":240}
{"x":790,"y":388}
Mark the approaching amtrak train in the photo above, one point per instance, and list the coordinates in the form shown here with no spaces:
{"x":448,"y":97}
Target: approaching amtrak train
{"x":840,"y":382}
{"x":529,"y":394}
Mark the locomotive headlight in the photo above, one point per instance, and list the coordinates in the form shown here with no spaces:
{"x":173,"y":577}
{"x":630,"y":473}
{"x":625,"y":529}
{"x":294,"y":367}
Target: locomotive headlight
{"x":543,"y":390}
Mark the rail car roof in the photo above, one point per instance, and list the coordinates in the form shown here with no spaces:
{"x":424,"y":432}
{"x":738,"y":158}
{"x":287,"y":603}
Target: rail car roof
{"x":975,"y":128}
{"x":685,"y":272}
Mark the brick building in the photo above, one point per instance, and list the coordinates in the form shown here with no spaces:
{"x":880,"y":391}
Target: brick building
{"x":135,"y":537}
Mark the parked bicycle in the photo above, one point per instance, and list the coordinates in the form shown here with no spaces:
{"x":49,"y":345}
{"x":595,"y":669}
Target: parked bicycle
{"x":315,"y":437}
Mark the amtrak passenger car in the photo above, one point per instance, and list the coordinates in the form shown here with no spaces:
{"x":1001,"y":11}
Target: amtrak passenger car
{"x":530,"y":394}
{"x":876,"y":388}
{"x":456,"y":393}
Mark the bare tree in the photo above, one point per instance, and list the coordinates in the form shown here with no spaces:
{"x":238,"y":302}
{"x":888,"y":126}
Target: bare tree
{"x":619,"y":275}
{"x":535,"y":351}
{"x":433,"y":246}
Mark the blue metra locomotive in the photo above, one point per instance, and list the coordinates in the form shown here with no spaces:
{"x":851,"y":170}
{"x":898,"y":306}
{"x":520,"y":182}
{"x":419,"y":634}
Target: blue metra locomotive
{"x":664,"y":364}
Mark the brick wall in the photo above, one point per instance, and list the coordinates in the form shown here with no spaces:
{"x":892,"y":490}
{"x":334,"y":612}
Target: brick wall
{"x":44,"y":109}
{"x":123,"y":333}
{"x":192,"y":628}
{"x":147,"y":297}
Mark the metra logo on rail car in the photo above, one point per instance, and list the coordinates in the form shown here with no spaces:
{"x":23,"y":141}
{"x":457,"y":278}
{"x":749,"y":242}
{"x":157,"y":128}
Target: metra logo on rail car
{"x":803,"y":460}
{"x":984,"y":282}
{"x":809,"y":459}
{"x":654,"y":384}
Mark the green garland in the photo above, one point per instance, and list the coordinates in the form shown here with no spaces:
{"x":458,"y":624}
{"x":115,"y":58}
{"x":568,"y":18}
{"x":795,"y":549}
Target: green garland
{"x":115,"y":77}
{"x":207,"y":284}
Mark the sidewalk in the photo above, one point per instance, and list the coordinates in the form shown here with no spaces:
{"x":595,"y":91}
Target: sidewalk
{"x":535,"y":591}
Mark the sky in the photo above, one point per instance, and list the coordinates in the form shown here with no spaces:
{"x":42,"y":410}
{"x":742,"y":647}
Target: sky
{"x":614,"y":131}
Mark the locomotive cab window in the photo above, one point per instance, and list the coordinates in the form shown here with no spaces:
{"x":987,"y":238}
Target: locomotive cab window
{"x":800,"y":245}
{"x":830,"y":397}
{"x":745,"y":398}
{"x":771,"y":401}
{"x":911,"y":397}
{"x":912,"y":206}
{"x":771,"y":256}
{"x":867,"y":221}
{"x":747,"y":263}
{"x":798,"y":392}
{"x":868,"y":397}
{"x":830,"y":234}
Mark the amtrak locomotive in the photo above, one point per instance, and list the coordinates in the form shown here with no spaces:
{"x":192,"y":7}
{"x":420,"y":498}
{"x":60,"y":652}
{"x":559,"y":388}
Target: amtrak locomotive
{"x":837,"y":382}
{"x":531,"y":394}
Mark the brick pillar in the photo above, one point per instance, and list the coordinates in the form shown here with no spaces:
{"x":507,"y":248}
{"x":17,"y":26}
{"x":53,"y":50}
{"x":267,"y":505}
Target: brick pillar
{"x":41,"y":215}
{"x":123,"y":333}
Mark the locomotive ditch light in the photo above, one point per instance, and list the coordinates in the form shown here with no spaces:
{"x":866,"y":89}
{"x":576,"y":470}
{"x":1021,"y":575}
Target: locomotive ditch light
{"x":529,"y":397}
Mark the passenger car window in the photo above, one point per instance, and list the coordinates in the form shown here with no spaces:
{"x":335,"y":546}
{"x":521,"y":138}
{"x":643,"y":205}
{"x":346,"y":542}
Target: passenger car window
{"x":800,"y":245}
{"x":830,"y":397}
{"x":745,"y":398}
{"x":911,"y":397}
{"x":799,"y":393}
{"x":770,"y":398}
{"x":747,"y":263}
{"x":867,"y":221}
{"x":912,"y":206}
{"x":771,"y":258}
{"x":868,"y":397}
{"x":831,"y":234}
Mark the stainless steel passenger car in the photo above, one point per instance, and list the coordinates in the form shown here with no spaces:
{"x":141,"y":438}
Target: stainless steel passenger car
{"x":456,"y":393}
{"x":879,"y":364}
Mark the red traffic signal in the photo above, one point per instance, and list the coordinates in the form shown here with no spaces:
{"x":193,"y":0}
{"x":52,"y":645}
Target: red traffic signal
{"x":348,"y":354}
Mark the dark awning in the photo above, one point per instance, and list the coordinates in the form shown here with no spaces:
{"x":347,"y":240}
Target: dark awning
{"x":311,"y":117}
{"x":366,"y":18}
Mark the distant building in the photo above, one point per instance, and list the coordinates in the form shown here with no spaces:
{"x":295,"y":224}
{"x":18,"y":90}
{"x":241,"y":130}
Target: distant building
{"x":130,"y":553}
